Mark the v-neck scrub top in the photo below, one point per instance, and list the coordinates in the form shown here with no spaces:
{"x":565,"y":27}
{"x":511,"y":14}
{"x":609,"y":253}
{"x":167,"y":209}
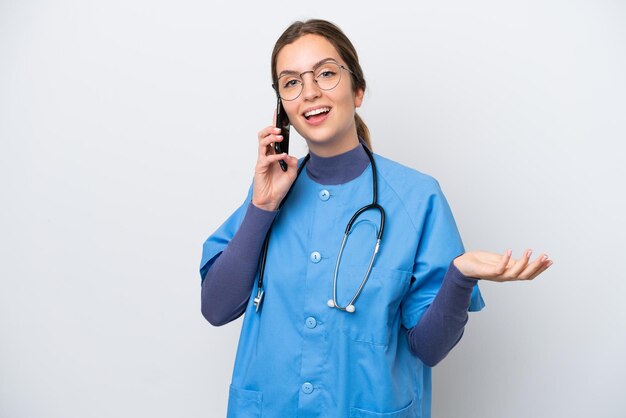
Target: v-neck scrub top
{"x":299,"y":358}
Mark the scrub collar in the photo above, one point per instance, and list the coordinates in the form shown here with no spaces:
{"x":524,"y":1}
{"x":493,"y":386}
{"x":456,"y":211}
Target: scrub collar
{"x":337,"y":169}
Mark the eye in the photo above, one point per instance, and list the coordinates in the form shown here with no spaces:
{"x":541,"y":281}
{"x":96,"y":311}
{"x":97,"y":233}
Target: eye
{"x":326,"y":74}
{"x":290,"y":83}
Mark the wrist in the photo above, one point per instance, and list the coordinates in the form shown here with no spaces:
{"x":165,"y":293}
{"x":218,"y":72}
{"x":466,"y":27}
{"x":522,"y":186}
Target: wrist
{"x":457,"y":277}
{"x":461,"y":265}
{"x":270,"y":207}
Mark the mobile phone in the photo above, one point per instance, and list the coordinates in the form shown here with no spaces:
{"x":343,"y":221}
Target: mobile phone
{"x":282,"y":122}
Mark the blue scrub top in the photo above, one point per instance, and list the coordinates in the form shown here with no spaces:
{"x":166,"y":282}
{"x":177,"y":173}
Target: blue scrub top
{"x":299,"y":358}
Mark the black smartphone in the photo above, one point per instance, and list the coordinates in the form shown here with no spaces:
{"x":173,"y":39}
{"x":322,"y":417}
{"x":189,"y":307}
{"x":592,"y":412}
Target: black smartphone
{"x":282,"y":122}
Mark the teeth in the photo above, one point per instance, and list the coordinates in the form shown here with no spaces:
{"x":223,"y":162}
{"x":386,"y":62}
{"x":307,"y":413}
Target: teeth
{"x":317,"y":111}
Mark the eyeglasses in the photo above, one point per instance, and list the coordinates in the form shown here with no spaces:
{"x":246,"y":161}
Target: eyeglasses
{"x":326,"y":75}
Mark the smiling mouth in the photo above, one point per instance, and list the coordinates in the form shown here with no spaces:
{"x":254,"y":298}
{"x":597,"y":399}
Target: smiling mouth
{"x":315,"y":112}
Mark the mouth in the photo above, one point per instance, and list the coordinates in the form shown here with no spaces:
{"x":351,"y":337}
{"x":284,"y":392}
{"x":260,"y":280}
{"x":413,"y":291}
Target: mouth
{"x":317,"y":115}
{"x":316,"y":112}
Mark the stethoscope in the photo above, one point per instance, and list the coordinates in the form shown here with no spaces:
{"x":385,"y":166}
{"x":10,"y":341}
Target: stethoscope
{"x":332,"y":303}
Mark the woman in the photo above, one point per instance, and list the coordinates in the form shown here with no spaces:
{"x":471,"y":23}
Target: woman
{"x":350,"y":338}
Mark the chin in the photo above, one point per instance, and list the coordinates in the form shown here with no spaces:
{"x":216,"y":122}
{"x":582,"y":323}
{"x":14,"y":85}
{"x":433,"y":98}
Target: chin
{"x":317,"y":136}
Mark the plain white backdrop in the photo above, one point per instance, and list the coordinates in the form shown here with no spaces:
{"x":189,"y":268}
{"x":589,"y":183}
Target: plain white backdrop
{"x":128,"y":134}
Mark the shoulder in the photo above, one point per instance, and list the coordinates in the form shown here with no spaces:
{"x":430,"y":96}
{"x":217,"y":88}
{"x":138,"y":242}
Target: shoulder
{"x":406,"y":181}
{"x":418,"y":194}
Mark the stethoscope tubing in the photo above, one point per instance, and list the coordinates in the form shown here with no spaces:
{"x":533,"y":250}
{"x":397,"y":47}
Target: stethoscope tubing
{"x":374,"y":205}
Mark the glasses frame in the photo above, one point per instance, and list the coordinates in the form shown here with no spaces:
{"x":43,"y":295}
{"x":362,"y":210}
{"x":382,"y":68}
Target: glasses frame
{"x":341,"y":67}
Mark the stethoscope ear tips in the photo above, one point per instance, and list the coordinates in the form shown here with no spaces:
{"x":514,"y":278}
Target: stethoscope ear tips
{"x":257,"y":300}
{"x":331,"y":303}
{"x":350,"y":308}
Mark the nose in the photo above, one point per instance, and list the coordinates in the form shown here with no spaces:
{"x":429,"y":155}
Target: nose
{"x":310,"y":89}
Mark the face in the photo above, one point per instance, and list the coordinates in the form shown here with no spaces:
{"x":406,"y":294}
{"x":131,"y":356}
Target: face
{"x":333,"y":129}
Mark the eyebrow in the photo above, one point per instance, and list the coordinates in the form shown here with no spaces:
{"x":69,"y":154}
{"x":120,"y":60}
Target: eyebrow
{"x":317,"y":64}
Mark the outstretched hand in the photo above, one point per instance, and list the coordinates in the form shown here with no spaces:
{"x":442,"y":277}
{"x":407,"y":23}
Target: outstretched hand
{"x":501,"y":268}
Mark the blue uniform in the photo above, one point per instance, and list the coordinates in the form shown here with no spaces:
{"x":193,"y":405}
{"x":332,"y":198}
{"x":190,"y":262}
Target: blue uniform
{"x":299,"y":358}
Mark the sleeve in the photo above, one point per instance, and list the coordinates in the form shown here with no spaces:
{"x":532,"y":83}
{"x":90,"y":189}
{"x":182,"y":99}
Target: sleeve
{"x":441,"y":327}
{"x":439,"y":244}
{"x":215,"y":244}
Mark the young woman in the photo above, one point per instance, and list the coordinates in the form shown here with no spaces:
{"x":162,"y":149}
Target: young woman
{"x":340,"y":320}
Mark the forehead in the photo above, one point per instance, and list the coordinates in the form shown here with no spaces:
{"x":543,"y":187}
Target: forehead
{"x":303,"y":53}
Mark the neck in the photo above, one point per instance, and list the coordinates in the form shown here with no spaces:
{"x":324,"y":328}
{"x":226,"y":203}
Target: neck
{"x":339,"y":168}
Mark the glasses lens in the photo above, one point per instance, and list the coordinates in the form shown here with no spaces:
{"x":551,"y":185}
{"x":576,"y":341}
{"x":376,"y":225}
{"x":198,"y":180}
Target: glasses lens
{"x":289,"y":87}
{"x":328,"y":76}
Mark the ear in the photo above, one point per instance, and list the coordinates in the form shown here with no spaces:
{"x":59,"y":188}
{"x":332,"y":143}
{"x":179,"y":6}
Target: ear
{"x":358,"y":97}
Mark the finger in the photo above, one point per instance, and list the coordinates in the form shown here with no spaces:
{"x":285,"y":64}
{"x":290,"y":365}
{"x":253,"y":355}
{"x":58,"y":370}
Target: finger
{"x":269,"y":140}
{"x":265,"y":163}
{"x":505,"y":261}
{"x":265,"y":144}
{"x":292,"y":162}
{"x":519,"y":265}
{"x":268,"y":130}
{"x":265,"y":133}
{"x":543,"y":268}
{"x":531,"y":269}
{"x":269,"y":159}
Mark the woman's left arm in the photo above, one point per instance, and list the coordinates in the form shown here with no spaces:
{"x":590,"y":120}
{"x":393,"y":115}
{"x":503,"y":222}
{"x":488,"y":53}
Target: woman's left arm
{"x":441,"y":327}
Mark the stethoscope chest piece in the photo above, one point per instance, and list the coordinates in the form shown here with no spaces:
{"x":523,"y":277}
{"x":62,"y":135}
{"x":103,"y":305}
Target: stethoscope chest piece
{"x":350,"y":308}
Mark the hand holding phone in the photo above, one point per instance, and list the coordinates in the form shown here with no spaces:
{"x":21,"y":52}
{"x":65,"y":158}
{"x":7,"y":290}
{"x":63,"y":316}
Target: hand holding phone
{"x":282,"y":122}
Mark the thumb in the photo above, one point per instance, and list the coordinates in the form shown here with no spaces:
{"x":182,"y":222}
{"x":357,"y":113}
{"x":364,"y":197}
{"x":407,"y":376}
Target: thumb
{"x":292,"y":162}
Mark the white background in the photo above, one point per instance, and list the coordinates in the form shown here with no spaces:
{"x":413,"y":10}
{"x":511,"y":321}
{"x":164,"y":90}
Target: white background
{"x":128,"y":134}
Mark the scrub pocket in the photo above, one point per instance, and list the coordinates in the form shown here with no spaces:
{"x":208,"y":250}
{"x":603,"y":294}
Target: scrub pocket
{"x":377,"y":307}
{"x":244,"y":403}
{"x":406,"y":412}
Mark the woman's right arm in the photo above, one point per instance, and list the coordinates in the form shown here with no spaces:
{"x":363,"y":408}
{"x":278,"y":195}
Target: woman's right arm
{"x":228,"y":282}
{"x":226,"y":286}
